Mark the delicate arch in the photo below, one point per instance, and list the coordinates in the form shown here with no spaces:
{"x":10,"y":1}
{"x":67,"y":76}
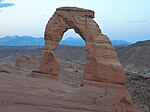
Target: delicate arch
{"x":102,"y":64}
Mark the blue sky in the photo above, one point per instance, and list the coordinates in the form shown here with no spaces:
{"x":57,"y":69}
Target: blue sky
{"x":119,"y":19}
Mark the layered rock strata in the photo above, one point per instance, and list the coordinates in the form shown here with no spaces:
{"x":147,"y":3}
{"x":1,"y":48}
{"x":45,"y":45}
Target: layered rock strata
{"x":102,"y":68}
{"x":102,"y":64}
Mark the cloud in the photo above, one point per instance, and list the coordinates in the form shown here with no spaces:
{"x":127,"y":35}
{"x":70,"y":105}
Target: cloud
{"x":138,"y":21}
{"x":2,"y":5}
{"x":6,"y":5}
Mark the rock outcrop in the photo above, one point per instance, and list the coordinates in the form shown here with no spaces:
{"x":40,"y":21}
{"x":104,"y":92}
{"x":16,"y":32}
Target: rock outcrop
{"x":102,"y":64}
{"x":102,"y":68}
{"x":26,"y":62}
{"x":6,"y":68}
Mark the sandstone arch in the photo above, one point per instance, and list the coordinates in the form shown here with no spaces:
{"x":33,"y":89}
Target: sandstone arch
{"x":102,"y":64}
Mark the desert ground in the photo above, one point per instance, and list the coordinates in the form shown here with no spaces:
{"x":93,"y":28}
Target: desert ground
{"x":20,"y":91}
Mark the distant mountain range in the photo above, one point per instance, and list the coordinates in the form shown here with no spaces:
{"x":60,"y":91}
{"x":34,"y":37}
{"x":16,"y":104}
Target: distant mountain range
{"x":21,"y":41}
{"x":32,"y":41}
{"x":80,"y":42}
{"x":121,"y":43}
{"x":73,"y":41}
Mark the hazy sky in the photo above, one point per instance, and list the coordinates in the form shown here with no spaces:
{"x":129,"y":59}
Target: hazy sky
{"x":119,"y":19}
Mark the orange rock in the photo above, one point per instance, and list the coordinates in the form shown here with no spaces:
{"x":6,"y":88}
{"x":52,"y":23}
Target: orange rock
{"x":102,"y":68}
{"x":49,"y":64}
{"x":102,"y":64}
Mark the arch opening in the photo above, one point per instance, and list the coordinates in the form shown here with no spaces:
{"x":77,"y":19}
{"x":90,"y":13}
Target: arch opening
{"x":72,"y":57}
{"x":71,"y":38}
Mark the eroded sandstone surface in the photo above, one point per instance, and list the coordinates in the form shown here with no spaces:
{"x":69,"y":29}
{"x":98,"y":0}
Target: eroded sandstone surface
{"x":20,"y":92}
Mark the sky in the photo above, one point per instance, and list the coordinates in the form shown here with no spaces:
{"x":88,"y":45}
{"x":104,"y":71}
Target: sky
{"x":127,"y":20}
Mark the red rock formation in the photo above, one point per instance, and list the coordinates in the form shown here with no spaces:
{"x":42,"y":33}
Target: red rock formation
{"x":102,"y":68}
{"x":49,"y":64}
{"x":102,"y":64}
{"x":26,"y":62}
